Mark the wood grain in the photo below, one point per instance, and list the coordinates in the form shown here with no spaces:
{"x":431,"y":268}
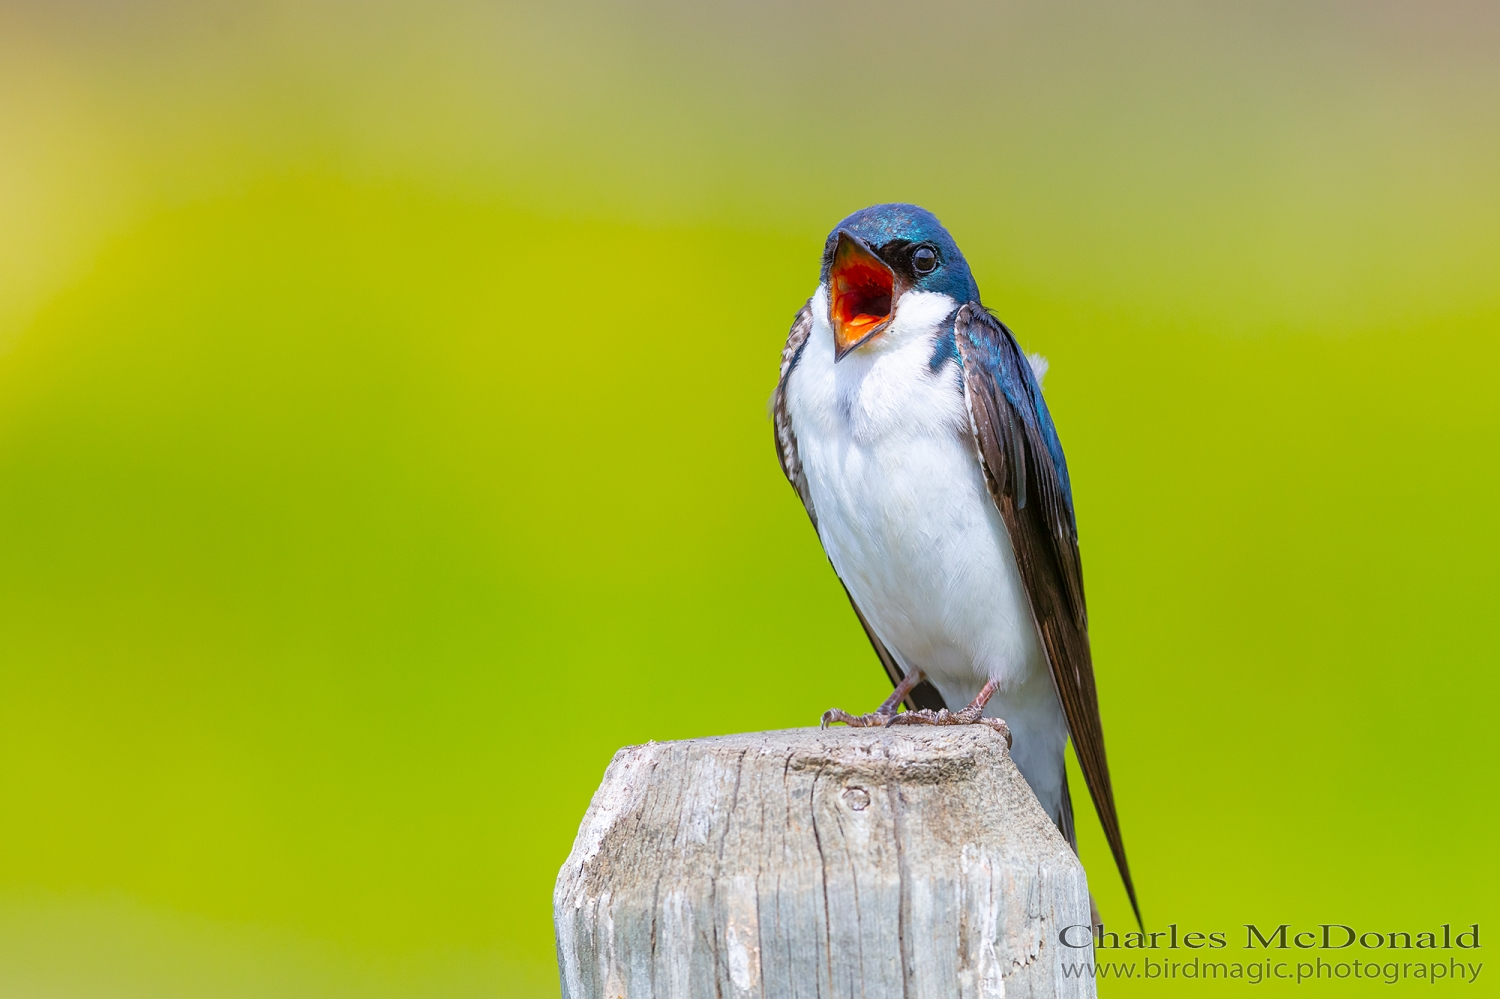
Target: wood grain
{"x":908,"y":862}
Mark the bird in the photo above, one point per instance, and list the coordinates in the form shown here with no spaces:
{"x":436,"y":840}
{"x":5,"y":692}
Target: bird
{"x":912,"y":426}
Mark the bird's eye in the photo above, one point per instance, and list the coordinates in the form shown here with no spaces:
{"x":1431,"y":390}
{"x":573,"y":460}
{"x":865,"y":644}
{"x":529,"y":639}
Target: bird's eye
{"x":924,"y":260}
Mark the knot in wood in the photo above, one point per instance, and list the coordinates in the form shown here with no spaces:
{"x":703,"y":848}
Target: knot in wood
{"x":857,"y":798}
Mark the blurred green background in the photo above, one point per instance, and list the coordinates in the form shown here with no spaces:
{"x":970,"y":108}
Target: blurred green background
{"x":383,"y":443}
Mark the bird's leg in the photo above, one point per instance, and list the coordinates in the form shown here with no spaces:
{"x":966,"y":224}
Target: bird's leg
{"x":973,"y":714}
{"x":882,"y":715}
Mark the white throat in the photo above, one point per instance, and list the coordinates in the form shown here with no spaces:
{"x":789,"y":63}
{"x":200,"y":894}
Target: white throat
{"x":887,"y":386}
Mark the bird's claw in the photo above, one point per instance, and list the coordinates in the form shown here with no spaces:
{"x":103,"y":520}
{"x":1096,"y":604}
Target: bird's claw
{"x":971,"y":715}
{"x":998,"y":724}
{"x":875,"y":719}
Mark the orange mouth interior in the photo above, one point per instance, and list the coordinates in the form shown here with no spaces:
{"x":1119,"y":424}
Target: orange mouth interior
{"x":862,"y":288}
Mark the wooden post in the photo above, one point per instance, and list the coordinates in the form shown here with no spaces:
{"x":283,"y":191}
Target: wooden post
{"x":902,"y":862}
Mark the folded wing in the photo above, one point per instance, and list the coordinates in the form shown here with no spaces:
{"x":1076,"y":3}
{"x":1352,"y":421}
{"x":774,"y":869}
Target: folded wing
{"x":1028,"y":480}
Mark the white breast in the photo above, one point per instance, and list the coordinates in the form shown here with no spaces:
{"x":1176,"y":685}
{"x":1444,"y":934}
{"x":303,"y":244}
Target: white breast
{"x":909,"y":525}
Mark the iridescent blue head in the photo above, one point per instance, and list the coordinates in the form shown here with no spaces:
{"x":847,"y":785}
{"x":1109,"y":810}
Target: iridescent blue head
{"x":877,"y":255}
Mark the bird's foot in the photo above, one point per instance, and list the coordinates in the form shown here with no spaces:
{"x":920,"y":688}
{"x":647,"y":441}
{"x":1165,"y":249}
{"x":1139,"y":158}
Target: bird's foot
{"x":875,"y":719}
{"x":881,"y":716}
{"x":945,"y":717}
{"x":973,"y":714}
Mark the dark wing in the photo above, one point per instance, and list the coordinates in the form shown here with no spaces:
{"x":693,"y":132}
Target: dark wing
{"x":1028,"y":478}
{"x":923,"y":695}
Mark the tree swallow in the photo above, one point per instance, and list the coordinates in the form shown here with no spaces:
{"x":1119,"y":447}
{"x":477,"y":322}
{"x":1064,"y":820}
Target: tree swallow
{"x":913,"y":428}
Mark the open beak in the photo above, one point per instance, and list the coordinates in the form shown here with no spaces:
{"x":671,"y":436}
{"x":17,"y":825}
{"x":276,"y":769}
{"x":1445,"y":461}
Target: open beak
{"x":861,"y":294}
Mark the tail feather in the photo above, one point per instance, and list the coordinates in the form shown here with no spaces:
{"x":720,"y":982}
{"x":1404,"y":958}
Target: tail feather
{"x":1065,"y":816}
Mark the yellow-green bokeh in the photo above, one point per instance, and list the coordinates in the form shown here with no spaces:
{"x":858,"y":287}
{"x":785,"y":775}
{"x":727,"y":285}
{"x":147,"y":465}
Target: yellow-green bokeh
{"x":383,"y":443}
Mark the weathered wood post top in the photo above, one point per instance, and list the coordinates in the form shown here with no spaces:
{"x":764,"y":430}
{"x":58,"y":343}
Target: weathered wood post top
{"x":901,"y":862}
